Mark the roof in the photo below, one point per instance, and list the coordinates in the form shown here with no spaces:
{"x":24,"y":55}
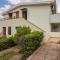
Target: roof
{"x":30,"y":4}
{"x":34,"y":3}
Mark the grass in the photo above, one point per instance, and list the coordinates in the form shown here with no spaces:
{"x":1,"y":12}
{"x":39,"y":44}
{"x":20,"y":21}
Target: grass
{"x":8,"y":55}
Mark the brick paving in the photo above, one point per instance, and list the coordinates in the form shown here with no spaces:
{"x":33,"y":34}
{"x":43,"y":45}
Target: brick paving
{"x":49,"y":51}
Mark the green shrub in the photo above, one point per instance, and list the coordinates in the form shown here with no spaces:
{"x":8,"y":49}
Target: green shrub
{"x":3,"y":39}
{"x":30,"y":42}
{"x":6,"y":42}
{"x":21,"y":31}
{"x":39,"y":35}
{"x":11,"y":42}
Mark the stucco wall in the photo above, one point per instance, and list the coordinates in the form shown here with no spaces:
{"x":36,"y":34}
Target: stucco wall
{"x":54,"y":34}
{"x":16,"y":23}
{"x":40,"y":16}
{"x":55,"y":18}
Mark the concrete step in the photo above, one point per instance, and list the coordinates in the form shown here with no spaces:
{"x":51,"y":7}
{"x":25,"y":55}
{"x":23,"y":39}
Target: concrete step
{"x":54,"y":39}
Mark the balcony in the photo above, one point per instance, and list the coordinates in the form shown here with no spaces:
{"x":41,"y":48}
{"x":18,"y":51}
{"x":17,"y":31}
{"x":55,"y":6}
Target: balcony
{"x":55,"y":18}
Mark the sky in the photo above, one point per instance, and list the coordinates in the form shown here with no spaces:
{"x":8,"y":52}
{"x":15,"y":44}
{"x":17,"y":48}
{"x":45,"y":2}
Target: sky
{"x":7,"y":4}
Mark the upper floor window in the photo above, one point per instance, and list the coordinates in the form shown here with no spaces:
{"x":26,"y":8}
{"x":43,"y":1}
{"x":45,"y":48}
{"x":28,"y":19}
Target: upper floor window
{"x":10,"y":15}
{"x":24,"y":13}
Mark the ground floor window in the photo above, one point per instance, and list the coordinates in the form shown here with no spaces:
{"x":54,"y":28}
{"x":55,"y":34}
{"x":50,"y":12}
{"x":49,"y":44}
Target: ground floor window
{"x":9,"y":30}
{"x":55,"y":27}
{"x":4,"y":30}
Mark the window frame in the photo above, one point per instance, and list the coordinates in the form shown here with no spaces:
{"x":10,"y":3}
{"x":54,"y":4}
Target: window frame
{"x":4,"y":30}
{"x":9,"y":30}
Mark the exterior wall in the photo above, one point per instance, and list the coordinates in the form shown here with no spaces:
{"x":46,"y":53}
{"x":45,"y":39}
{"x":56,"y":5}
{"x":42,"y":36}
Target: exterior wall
{"x":16,"y":23}
{"x":14,"y":13}
{"x":37,"y":15}
{"x":54,"y":34}
{"x":40,"y":16}
{"x":55,"y":18}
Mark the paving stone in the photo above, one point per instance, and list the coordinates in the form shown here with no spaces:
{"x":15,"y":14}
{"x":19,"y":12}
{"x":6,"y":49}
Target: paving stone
{"x":47,"y":52}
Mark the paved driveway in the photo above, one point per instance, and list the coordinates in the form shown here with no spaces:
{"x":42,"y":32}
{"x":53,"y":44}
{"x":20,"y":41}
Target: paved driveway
{"x":49,"y":51}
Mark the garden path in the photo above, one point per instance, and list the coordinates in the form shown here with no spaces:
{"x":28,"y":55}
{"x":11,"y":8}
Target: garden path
{"x":49,"y":51}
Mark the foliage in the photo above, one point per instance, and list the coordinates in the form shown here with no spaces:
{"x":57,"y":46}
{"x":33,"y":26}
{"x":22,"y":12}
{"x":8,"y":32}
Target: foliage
{"x":39,"y":35}
{"x":21,"y":31}
{"x":10,"y":41}
{"x":30,"y":42}
{"x":6,"y":42}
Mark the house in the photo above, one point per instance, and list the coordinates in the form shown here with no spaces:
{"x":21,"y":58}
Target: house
{"x":39,"y":16}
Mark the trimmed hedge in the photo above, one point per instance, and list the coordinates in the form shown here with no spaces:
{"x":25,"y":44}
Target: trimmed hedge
{"x":6,"y":42}
{"x":29,"y":43}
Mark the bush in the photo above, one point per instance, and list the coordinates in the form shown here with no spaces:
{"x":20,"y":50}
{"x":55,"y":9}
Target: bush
{"x":3,"y":39}
{"x":11,"y":42}
{"x":6,"y":42}
{"x":39,"y":35}
{"x":21,"y":31}
{"x":30,"y":42}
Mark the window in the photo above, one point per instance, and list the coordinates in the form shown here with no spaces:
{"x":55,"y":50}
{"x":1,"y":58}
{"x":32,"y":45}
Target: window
{"x":55,"y":27}
{"x":9,"y":30}
{"x":24,"y":13}
{"x":4,"y":30}
{"x":10,"y":15}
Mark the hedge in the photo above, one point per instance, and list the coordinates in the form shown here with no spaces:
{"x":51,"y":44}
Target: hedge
{"x":29,"y":43}
{"x":6,"y":43}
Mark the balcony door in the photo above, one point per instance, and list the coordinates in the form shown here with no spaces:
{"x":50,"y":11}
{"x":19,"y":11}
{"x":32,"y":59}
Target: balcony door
{"x":10,"y":15}
{"x":17,"y":14}
{"x":24,"y":13}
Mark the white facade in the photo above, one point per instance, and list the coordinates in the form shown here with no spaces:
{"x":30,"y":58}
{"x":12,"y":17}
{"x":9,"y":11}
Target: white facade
{"x":13,"y":23}
{"x":39,"y":17}
{"x":55,"y":18}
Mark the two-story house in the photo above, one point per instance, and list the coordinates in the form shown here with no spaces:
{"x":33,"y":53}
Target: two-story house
{"x":40,"y":16}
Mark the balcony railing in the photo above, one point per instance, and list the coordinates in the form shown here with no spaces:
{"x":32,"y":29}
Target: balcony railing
{"x":8,"y":19}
